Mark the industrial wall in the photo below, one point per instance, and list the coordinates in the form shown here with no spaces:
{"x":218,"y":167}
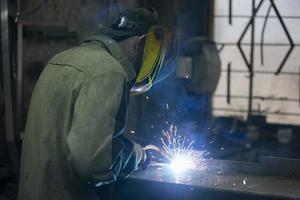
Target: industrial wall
{"x":51,"y":26}
{"x":276,"y":96}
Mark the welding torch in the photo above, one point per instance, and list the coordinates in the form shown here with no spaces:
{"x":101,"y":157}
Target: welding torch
{"x":155,"y":153}
{"x":152,"y":147}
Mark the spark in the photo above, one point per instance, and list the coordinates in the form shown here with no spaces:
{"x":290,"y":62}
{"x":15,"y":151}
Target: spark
{"x":179,"y":151}
{"x":181,"y":163}
{"x":147,"y":97}
{"x":132,"y":131}
{"x":167,"y":106}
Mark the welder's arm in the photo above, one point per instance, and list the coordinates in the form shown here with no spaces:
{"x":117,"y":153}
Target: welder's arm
{"x":128,"y":155}
{"x":95,"y":155}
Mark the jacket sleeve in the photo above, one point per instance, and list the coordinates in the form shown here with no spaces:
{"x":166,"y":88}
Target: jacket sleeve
{"x":96,"y":155}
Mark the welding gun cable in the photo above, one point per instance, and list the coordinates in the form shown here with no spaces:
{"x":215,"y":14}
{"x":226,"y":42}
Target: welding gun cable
{"x":263,"y":35}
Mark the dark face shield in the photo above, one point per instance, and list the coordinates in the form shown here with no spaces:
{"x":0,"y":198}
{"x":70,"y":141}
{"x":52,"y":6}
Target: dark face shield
{"x":159,"y":57}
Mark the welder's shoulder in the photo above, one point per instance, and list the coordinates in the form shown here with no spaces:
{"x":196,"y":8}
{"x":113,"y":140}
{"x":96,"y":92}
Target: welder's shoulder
{"x":91,"y":60}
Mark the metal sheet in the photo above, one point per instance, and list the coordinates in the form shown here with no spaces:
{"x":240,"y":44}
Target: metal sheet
{"x":221,"y":179}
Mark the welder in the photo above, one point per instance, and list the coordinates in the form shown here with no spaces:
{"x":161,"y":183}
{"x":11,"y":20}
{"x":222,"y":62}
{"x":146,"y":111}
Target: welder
{"x":73,"y":138}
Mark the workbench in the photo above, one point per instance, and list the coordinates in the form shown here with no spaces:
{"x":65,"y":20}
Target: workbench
{"x":220,"y":180}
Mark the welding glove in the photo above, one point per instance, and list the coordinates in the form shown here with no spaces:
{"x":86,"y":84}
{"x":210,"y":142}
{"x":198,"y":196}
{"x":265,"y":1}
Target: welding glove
{"x":128,"y":156}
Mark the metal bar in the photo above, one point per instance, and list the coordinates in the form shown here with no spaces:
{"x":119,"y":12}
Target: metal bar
{"x":257,"y":98}
{"x":19,"y":78}
{"x":263,"y":36}
{"x":19,"y":83}
{"x":236,"y":71}
{"x":282,"y":22}
{"x":287,"y":55}
{"x":211,"y":20}
{"x":251,"y":62}
{"x":267,"y":112}
{"x":6,"y":71}
{"x":228,"y":83}
{"x":244,"y":57}
{"x":288,"y":36}
{"x":221,"y":48}
{"x":244,"y":32}
{"x":257,"y":16}
{"x":262,"y":98}
{"x":9,"y":126}
{"x":255,"y":44}
{"x":230,"y":12}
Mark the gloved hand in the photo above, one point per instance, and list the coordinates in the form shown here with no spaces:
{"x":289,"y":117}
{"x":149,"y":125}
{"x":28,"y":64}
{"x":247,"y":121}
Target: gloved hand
{"x":152,"y":153}
{"x":145,"y":159}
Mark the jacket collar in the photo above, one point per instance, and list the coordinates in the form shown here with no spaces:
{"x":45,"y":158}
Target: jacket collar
{"x":116,"y":51}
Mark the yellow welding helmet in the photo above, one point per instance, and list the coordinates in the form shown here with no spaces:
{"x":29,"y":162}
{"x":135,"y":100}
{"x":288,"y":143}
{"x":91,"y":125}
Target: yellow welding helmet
{"x":159,"y":57}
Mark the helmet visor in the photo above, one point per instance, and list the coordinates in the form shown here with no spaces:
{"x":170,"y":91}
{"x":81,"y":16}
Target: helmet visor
{"x":159,"y":57}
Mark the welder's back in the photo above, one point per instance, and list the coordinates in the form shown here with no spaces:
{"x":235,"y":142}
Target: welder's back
{"x":46,"y":169}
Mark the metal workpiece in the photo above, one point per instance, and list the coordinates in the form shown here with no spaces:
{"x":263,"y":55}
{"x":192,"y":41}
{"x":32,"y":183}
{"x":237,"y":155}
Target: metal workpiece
{"x":219,"y":180}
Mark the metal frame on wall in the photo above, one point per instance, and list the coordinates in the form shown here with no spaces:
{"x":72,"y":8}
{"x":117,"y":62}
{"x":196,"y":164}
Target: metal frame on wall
{"x":250,"y":62}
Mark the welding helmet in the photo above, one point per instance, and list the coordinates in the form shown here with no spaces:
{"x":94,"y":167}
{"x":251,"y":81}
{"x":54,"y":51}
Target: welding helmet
{"x":160,"y":47}
{"x":131,"y":22}
{"x":159,"y":57}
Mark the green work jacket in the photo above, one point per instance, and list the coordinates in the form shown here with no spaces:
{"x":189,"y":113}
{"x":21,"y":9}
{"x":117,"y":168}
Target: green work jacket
{"x":73,"y":138}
